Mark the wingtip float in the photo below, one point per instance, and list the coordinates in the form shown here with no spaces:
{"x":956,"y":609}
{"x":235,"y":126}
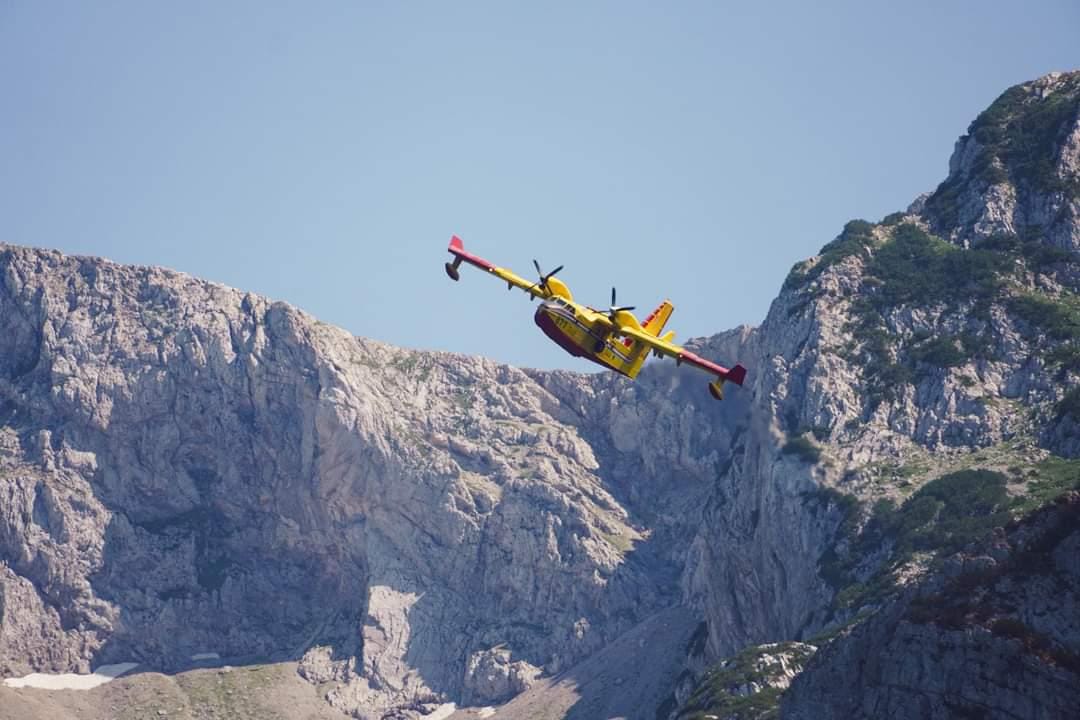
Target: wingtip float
{"x":613,"y":338}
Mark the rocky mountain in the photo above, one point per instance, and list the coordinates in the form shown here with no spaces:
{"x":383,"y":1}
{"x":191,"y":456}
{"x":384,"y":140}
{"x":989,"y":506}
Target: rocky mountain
{"x":994,"y":634}
{"x":186,"y":468}
{"x":919,"y":388}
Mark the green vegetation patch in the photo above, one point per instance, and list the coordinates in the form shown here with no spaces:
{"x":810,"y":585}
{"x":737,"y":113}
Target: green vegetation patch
{"x":836,"y":570}
{"x":463,"y":398}
{"x":715,"y":694}
{"x":695,"y":647}
{"x":1029,"y":245}
{"x":1048,"y":480}
{"x":1066,"y":357}
{"x":856,"y":237}
{"x":943,"y":351}
{"x":849,"y":506}
{"x":620,"y":542}
{"x":915,"y":268}
{"x":946,"y":514}
{"x":1070,"y":405}
{"x":414,"y":364}
{"x":803,"y":448}
{"x":918,"y":268}
{"x":1059,"y":318}
{"x":884,"y":376}
{"x":1018,"y":137}
{"x":237,"y":693}
{"x":942,"y":517}
{"x":830,"y":633}
{"x":1023,"y":134}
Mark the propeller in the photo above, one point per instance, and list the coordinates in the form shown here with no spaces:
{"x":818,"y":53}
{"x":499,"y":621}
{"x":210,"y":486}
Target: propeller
{"x":616,"y":308}
{"x":542,"y":282}
{"x":614,"y":328}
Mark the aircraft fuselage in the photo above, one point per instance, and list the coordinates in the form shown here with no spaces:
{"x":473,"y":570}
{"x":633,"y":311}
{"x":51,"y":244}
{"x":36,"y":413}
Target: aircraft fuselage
{"x":576,"y":331}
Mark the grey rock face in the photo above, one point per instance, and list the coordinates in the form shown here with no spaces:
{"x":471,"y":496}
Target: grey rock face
{"x":186,"y":467}
{"x":1018,"y":168}
{"x":491,"y":677}
{"x":993,"y":638}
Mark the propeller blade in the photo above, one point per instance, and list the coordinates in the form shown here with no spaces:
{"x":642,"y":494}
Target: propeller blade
{"x":538,"y":270}
{"x":554,"y":271}
{"x":616,"y":308}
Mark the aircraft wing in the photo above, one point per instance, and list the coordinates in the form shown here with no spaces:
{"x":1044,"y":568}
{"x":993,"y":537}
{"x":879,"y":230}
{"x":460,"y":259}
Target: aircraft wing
{"x":457,"y":249}
{"x":736,"y":374}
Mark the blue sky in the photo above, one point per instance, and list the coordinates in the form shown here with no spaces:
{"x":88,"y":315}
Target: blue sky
{"x":323,"y":153}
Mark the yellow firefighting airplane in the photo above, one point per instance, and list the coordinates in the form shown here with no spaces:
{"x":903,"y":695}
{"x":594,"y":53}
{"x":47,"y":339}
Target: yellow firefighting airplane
{"x":614,"y":339}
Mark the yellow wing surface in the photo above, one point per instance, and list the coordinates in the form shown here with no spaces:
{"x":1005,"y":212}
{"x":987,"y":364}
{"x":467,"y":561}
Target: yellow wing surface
{"x":736,"y":374}
{"x":546,"y":287}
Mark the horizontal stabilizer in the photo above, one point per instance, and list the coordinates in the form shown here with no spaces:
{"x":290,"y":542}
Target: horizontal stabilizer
{"x":457,"y":249}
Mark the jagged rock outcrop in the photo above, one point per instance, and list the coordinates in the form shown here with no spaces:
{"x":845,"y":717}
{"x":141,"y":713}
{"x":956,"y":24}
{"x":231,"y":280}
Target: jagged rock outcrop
{"x":997,"y":634}
{"x":1017,"y":170}
{"x":491,"y":676}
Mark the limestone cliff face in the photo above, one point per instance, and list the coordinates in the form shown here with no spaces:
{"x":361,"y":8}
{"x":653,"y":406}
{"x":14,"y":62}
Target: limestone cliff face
{"x":188,"y":468}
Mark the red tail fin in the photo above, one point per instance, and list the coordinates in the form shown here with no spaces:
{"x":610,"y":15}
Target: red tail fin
{"x":736,"y":374}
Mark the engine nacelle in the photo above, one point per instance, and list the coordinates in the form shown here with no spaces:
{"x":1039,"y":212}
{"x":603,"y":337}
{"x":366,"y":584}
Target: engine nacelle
{"x":716,"y":389}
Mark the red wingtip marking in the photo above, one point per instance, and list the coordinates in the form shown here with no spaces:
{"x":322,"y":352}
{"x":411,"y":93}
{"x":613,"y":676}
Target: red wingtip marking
{"x":737,"y":374}
{"x":458,"y":249}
